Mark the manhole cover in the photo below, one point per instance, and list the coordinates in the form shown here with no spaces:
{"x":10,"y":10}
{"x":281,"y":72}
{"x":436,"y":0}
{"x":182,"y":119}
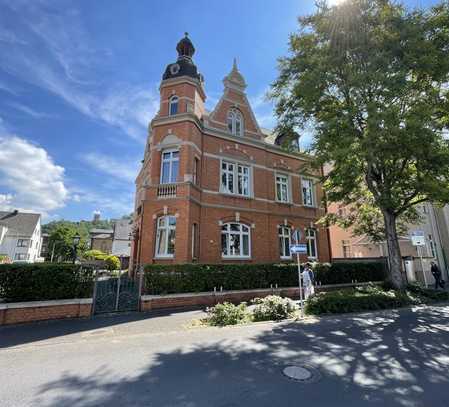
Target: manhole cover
{"x":301,"y":373}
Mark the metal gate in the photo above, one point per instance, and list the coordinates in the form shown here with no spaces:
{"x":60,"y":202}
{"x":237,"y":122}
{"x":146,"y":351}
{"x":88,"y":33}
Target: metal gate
{"x":116,"y":294}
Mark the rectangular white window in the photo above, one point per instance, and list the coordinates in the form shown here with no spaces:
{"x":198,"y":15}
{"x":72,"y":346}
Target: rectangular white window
{"x":235,"y":240}
{"x":284,"y":242}
{"x":235,"y":178}
{"x":23,"y":243}
{"x":242,"y":180}
{"x":165,"y":236}
{"x":308,"y":198}
{"x":311,"y":243}
{"x":169,"y":167}
{"x":282,"y":194}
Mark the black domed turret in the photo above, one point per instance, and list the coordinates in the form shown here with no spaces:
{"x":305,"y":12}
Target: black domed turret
{"x":184,"y":66}
{"x":185,"y":47}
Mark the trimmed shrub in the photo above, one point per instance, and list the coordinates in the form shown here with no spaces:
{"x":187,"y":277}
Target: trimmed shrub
{"x":355,"y":300}
{"x":226,"y":314}
{"x":273,"y":308}
{"x":94,"y":255}
{"x":112,"y":263}
{"x":45,"y":281}
{"x":184,"y":278}
{"x":347,"y":272}
{"x":426,"y":295}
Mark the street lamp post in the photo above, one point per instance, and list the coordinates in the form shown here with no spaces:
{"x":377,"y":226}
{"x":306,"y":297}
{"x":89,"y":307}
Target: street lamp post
{"x":76,"y":241}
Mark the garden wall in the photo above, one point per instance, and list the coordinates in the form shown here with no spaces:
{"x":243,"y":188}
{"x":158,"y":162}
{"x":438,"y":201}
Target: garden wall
{"x":153,"y":302}
{"x":19,"y":312}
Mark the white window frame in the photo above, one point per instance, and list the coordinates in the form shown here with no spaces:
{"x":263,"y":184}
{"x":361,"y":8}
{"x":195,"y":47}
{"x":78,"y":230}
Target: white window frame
{"x":170,"y":160}
{"x":237,"y":174}
{"x":279,"y":184}
{"x":233,"y":118}
{"x":311,"y":239}
{"x":244,"y":230}
{"x":284,"y":232}
{"x":167,"y":228}
{"x":312,"y":192}
{"x":173,"y":101}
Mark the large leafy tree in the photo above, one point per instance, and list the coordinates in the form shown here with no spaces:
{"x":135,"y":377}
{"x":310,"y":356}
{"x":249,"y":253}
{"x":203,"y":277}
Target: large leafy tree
{"x":372,"y":77}
{"x":60,"y":240}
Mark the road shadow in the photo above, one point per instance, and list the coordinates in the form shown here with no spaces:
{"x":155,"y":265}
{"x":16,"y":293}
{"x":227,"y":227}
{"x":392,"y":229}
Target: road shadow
{"x":396,"y":358}
{"x":14,"y":335}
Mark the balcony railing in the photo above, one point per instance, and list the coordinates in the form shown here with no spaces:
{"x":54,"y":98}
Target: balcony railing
{"x":165,"y":191}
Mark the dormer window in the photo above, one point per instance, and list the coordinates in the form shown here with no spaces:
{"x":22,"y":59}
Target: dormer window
{"x":173,"y":106}
{"x":235,"y":123}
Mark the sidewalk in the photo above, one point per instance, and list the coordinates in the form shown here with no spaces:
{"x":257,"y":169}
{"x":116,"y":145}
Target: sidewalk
{"x":68,"y":330}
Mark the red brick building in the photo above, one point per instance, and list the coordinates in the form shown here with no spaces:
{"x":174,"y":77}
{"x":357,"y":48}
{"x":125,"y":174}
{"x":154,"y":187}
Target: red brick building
{"x":211,"y":188}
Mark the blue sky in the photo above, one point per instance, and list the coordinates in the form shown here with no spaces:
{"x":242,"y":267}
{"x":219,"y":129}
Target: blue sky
{"x":79,"y":84}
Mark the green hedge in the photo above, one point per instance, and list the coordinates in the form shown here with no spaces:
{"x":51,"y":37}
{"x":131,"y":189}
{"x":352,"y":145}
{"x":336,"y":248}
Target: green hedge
{"x":183,"y":278}
{"x":347,"y":272}
{"x":45,"y":281}
{"x":355,"y":300}
{"x":369,"y":298}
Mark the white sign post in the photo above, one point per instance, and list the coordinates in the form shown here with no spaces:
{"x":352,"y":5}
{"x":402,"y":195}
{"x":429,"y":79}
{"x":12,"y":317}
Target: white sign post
{"x":298,"y":248}
{"x":419,"y":240}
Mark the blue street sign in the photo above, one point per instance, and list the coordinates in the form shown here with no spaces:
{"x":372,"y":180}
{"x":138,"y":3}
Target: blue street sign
{"x":300,"y":248}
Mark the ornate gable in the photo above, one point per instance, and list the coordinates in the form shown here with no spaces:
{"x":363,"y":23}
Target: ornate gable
{"x":234,"y":99}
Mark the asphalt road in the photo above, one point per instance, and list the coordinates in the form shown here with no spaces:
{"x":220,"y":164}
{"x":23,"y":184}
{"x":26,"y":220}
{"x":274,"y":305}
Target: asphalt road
{"x":394,"y":358}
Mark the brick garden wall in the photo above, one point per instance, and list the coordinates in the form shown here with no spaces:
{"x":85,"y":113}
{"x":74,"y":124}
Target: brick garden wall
{"x":15,"y":313}
{"x":152,"y":302}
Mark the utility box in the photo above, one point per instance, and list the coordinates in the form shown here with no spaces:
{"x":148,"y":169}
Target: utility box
{"x":409,"y":269}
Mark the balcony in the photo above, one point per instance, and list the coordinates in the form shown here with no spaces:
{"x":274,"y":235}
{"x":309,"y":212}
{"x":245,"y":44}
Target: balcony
{"x":166,"y":191}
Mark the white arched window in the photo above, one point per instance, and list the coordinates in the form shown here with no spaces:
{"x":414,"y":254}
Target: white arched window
{"x":235,"y":123}
{"x":235,"y":240}
{"x":173,"y":105}
{"x":284,"y":242}
{"x":165,"y":236}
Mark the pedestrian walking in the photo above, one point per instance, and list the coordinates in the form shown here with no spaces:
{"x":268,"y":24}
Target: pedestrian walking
{"x":308,"y":278}
{"x":436,"y":272}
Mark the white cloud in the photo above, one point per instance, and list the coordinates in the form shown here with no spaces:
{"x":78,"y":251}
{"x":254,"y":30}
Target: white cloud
{"x":35,"y":182}
{"x":66,"y":68}
{"x":263,"y":109}
{"x":6,"y":200}
{"x":29,"y":111}
{"x":129,"y":108}
{"x":7,"y":88}
{"x":260,"y":100}
{"x":11,"y":38}
{"x":124,"y":169}
{"x":3,"y":129}
{"x":116,"y":203}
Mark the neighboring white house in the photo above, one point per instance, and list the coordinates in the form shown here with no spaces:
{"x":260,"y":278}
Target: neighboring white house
{"x":20,"y":236}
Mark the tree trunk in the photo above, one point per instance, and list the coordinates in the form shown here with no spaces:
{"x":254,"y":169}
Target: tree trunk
{"x":394,"y":252}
